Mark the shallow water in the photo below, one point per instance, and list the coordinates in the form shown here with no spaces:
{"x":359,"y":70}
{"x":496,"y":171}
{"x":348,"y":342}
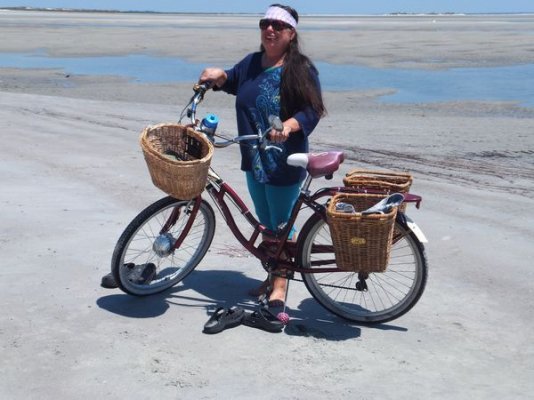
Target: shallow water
{"x":512,"y":83}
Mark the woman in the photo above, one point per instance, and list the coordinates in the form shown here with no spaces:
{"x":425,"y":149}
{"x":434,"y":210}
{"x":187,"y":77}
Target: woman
{"x":277,"y":80}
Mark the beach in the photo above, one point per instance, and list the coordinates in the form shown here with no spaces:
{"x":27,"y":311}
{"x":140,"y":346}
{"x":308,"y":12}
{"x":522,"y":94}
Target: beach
{"x":73,"y":176}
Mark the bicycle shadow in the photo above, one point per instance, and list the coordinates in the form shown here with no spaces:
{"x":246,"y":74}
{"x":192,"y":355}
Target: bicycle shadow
{"x":312,"y":320}
{"x":226,"y":288}
{"x":215,"y":288}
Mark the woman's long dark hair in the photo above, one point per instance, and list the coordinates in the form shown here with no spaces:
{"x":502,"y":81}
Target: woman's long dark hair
{"x":298,"y":88}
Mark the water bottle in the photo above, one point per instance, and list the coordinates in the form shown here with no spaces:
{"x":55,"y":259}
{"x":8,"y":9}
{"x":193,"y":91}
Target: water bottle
{"x":209,"y":124}
{"x":345,"y":208}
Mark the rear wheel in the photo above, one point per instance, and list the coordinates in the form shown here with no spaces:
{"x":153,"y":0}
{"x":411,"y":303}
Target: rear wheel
{"x":145,"y":261}
{"x":363,"y":298}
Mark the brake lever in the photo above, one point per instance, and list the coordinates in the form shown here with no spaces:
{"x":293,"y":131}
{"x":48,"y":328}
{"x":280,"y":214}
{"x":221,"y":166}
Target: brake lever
{"x":274,"y":147}
{"x":200,"y":90}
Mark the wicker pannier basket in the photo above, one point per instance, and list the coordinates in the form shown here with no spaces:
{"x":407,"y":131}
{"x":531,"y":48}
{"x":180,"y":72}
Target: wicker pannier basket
{"x":362,"y":243}
{"x":383,"y":181}
{"x":182,"y":175}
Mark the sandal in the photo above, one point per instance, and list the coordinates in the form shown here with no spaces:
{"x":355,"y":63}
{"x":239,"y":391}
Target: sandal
{"x":276,"y":303}
{"x":109,"y":282}
{"x":224,"y":318}
{"x":142,"y":274}
{"x":263,"y":319}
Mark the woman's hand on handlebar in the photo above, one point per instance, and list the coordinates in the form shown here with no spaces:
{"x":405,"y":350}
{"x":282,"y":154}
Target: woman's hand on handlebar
{"x":279,"y":136}
{"x":216,"y":76}
{"x":290,"y":125}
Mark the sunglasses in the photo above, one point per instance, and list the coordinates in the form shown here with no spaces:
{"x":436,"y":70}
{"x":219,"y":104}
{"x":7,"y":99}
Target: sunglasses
{"x":276,"y":24}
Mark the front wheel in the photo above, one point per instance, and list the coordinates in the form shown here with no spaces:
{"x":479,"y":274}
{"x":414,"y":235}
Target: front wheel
{"x":363,"y":298}
{"x":145,"y":260}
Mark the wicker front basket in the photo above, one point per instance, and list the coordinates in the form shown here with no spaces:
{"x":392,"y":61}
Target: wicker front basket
{"x":382,"y":181}
{"x":184,"y":178}
{"x":362,"y":243}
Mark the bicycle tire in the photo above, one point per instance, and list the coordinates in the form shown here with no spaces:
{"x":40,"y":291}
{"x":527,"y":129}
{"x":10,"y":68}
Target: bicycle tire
{"x":389,"y":294}
{"x":136,"y":246}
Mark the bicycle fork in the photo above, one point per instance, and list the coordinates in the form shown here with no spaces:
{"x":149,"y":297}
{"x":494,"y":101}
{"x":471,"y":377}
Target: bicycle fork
{"x":165,"y":243}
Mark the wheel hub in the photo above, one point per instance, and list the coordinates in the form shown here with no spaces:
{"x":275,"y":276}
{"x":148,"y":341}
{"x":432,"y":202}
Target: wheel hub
{"x":163,"y":245}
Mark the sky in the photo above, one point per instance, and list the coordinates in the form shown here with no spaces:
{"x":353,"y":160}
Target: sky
{"x":302,"y":6}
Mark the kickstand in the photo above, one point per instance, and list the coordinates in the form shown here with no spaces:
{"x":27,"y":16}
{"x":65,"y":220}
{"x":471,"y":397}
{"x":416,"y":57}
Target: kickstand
{"x":285,"y":297}
{"x":361,"y":285}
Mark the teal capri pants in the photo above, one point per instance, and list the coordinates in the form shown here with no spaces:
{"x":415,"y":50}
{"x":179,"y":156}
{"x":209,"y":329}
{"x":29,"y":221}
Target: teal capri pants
{"x":273,"y":204}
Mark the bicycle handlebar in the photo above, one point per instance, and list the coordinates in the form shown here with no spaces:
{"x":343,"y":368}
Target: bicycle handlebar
{"x":262,"y":138}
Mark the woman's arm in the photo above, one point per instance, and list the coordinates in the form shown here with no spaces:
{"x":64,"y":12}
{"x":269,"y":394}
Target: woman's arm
{"x":217,"y":76}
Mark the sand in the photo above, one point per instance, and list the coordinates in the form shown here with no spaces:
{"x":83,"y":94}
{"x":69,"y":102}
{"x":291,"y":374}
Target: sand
{"x":73,"y":176}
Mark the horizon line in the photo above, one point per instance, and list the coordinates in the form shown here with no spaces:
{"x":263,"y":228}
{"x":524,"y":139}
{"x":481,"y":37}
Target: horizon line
{"x":395,"y":13}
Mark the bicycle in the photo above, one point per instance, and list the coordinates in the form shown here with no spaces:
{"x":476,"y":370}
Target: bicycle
{"x":174,"y":235}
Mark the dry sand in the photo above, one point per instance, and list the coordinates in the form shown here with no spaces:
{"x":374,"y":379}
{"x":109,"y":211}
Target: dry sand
{"x":73,"y":176}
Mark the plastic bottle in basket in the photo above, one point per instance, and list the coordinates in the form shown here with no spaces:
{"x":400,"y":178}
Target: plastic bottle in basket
{"x":345,"y":208}
{"x":209,"y":124}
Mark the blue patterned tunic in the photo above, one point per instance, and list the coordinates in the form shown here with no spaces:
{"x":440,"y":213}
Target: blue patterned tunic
{"x":257,"y":93}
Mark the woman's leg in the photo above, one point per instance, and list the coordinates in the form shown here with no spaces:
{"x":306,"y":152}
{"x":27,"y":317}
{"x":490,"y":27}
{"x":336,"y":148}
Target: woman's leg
{"x":273,"y":205}
{"x":280,"y":200}
{"x":261,"y":206}
{"x":259,"y":198}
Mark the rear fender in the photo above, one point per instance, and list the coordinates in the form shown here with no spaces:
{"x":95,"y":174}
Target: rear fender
{"x":412,"y":226}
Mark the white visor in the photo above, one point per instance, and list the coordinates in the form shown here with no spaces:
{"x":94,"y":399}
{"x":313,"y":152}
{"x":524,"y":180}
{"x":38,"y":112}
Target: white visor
{"x":281,"y":15}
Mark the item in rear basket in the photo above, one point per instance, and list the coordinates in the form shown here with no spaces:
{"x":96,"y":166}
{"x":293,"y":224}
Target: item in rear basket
{"x":178,"y":159}
{"x":386,"y":204}
{"x":345,"y":208}
{"x":362,"y":243}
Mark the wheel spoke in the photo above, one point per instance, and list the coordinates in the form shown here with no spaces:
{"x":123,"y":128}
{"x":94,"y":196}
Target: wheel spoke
{"x":389,"y":294}
{"x":136,"y":244}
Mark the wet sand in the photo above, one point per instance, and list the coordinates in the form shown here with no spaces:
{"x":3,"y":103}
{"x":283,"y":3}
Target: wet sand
{"x":73,"y":176}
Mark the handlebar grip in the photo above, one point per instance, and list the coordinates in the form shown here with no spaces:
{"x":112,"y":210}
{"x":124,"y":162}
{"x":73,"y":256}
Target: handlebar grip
{"x":202,"y":87}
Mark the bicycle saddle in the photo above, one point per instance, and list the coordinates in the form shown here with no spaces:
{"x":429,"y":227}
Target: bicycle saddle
{"x":317,"y":164}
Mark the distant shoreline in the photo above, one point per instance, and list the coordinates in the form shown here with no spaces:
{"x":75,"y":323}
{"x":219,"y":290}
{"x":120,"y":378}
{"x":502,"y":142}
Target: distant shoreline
{"x":394,"y":14}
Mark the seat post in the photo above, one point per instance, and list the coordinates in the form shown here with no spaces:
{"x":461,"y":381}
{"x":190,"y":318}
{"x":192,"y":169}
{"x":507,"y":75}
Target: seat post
{"x":305,"y":188}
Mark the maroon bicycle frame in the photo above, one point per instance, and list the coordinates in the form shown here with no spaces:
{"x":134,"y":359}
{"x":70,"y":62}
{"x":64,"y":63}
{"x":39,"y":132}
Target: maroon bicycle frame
{"x":218,"y":190}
